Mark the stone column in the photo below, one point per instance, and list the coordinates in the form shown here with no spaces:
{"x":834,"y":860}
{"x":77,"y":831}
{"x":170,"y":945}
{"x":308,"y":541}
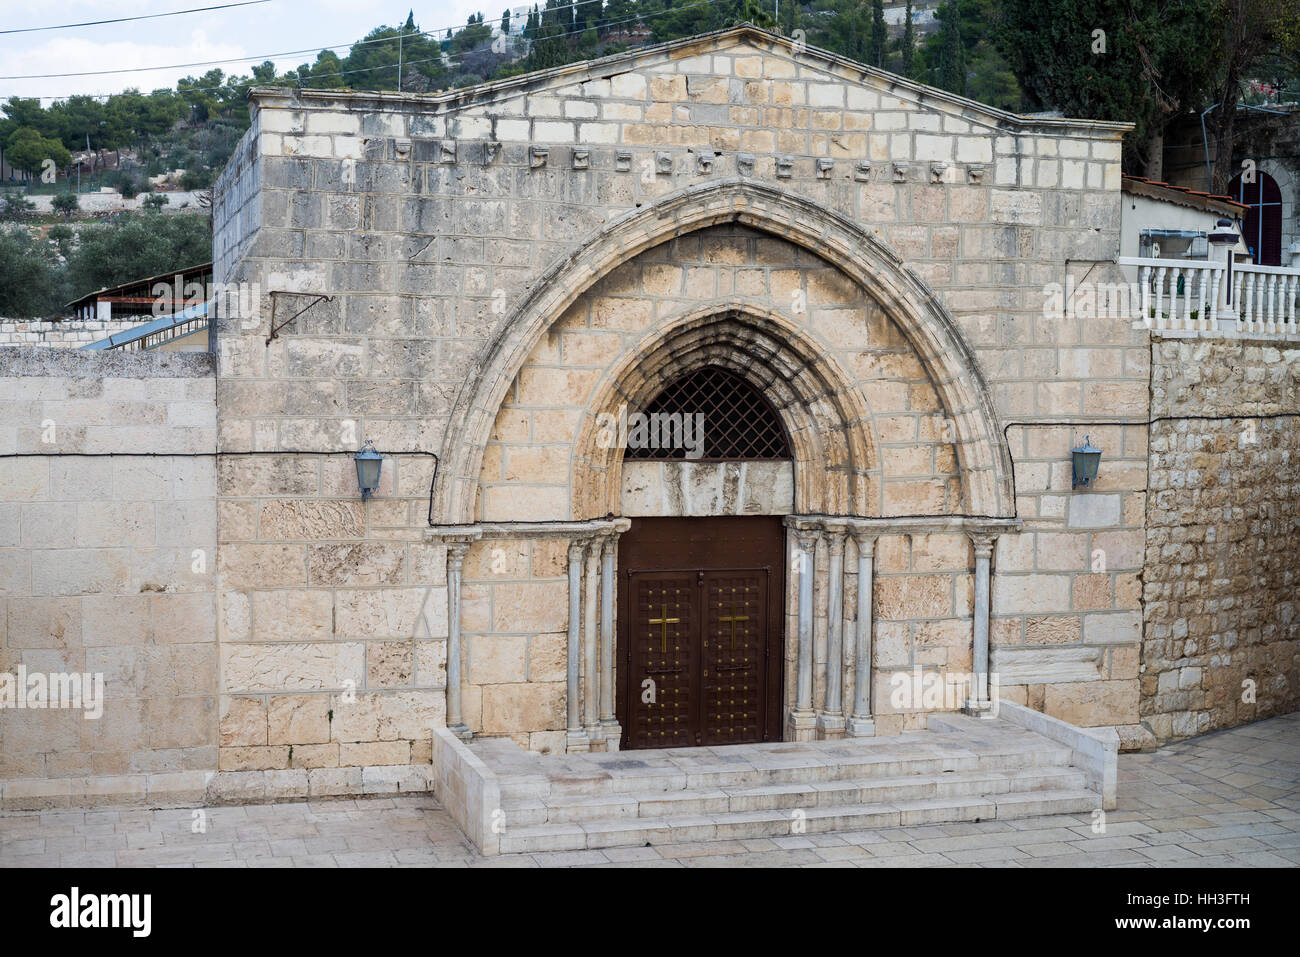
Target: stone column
{"x":455,"y":564}
{"x":861,"y":724}
{"x":979,"y":702}
{"x":830,"y":723}
{"x":803,"y":722}
{"x":577,"y":739}
{"x":609,"y":726}
{"x":590,"y":651}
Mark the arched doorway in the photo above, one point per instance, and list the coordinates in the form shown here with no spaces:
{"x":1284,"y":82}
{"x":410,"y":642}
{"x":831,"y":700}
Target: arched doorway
{"x":1262,"y":228}
{"x":889,"y":424}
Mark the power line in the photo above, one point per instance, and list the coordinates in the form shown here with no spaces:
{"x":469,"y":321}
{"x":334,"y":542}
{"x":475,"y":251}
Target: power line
{"x":147,"y":16}
{"x":302,"y":81}
{"x":432,"y":34}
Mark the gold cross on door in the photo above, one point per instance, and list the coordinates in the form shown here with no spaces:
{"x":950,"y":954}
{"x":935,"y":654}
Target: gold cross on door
{"x":664,"y":621}
{"x":733,"y":618}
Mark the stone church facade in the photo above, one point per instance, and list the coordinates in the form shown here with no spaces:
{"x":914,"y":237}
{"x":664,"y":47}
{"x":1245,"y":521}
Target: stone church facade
{"x":488,"y":284}
{"x":513,"y":262}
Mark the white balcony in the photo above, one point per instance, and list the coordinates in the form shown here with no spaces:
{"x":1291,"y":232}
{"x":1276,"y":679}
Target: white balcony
{"x":1183,"y":296}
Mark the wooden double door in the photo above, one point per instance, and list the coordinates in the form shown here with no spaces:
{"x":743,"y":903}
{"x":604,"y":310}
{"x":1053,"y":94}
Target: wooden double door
{"x":699,"y":631}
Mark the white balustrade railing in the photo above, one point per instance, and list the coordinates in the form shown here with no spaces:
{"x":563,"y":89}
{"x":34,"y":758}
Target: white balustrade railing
{"x":1266,"y":299}
{"x":1183,"y":295}
{"x":1178,"y":294}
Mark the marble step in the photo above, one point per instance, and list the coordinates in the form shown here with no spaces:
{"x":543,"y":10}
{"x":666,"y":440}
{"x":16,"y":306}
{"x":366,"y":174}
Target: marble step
{"x":740,"y":825}
{"x":653,"y":804}
{"x":628,"y":777}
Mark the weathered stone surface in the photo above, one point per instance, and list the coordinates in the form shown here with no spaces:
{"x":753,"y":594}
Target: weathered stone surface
{"x":1221,"y":638}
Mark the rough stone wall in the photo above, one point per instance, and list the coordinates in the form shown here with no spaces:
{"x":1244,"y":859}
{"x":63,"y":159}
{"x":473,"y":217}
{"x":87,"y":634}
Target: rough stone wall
{"x":107,"y":565}
{"x":1221,"y":639}
{"x":429,"y":219}
{"x":63,"y":333}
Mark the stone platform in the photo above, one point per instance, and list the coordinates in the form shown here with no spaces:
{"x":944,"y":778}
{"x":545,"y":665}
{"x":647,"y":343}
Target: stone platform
{"x":959,"y":769}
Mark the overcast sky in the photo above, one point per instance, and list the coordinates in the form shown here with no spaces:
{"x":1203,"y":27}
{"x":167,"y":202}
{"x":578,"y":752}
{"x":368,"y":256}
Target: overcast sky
{"x":251,"y":32}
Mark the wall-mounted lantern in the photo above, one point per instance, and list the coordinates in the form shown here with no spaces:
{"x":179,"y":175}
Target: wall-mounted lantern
{"x":369,"y":462}
{"x":1086,"y":461}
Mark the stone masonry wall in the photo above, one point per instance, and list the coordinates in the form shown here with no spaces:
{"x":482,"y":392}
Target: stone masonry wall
{"x":429,"y":219}
{"x":63,"y":333}
{"x":1221,"y":639}
{"x":107,"y":566}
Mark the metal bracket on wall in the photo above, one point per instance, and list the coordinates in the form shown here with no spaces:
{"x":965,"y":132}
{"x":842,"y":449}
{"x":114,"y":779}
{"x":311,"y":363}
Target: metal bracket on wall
{"x":316,"y":302}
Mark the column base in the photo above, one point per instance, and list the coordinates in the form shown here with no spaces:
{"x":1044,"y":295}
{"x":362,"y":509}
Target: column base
{"x":576,"y":741}
{"x":830,"y":725}
{"x":860,"y":727}
{"x":802,"y":726}
{"x":461,"y":731}
{"x":978,"y":708}
{"x":612,"y":732}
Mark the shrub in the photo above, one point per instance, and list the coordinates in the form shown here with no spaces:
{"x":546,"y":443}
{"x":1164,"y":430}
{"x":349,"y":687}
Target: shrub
{"x":66,"y":203}
{"x":16,"y":205}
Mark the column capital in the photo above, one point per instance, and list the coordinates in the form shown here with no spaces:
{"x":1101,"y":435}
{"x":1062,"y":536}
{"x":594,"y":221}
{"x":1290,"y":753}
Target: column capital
{"x":865,"y":538}
{"x":807,"y":538}
{"x":836,"y":535}
{"x":576,"y":547}
{"x":983,"y":539}
{"x":457,"y":548}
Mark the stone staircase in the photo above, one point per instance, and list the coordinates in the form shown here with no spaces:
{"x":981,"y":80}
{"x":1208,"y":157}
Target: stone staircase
{"x":961,"y":769}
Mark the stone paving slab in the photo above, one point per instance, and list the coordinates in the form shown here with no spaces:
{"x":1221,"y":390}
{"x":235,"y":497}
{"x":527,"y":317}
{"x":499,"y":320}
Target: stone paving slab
{"x":1193,"y":804}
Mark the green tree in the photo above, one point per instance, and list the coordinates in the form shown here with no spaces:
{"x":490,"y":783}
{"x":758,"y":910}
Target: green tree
{"x":952,"y":53}
{"x":31,"y":284}
{"x":66,"y":203}
{"x":29,"y":151}
{"x":327,"y":72}
{"x":63,"y":236}
{"x":1141,"y":61}
{"x":137,"y":245}
{"x":907,"y":45}
{"x":879,"y":33}
{"x":1246,"y":33}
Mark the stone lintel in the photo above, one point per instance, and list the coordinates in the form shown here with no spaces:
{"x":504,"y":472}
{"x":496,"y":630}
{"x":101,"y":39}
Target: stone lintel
{"x":884,"y":525}
{"x":492,"y":530}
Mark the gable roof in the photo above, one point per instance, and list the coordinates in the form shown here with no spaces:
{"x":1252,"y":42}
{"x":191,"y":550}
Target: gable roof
{"x":714,"y":42}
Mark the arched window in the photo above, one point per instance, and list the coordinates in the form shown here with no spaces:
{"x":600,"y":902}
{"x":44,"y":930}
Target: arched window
{"x":711,"y":414}
{"x":1262,"y":229}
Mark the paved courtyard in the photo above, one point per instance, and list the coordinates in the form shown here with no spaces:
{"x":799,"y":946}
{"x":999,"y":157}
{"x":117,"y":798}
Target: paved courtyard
{"x":1230,"y":799}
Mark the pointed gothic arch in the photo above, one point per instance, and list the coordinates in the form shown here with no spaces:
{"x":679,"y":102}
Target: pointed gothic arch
{"x":982,"y":454}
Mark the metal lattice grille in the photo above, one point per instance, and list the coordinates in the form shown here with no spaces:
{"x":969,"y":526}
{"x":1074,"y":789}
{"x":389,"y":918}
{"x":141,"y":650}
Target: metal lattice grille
{"x":737,"y":423}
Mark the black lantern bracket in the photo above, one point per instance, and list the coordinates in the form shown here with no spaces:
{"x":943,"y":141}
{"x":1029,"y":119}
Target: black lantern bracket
{"x":320,"y":297}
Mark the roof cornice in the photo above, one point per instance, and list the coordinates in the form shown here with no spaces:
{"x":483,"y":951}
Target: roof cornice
{"x":715,"y":41}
